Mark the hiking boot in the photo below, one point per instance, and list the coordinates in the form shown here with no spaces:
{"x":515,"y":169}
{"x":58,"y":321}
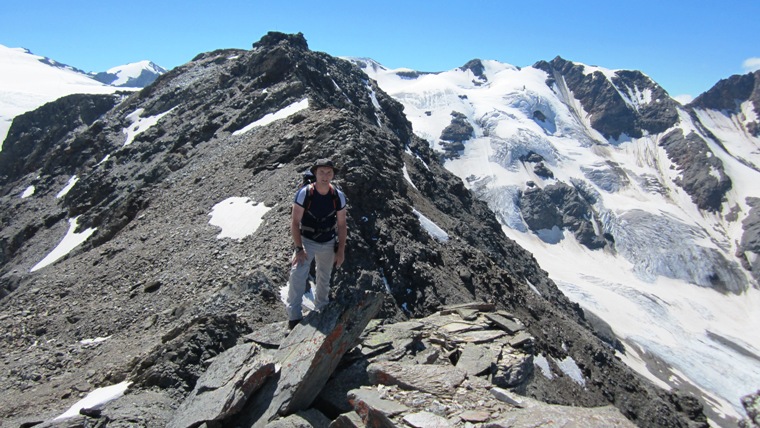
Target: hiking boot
{"x":293,"y":323}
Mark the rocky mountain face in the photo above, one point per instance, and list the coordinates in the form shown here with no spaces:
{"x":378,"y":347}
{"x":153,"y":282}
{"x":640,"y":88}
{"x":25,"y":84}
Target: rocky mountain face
{"x":154,"y":295}
{"x":611,"y":112}
{"x":728,"y":95}
{"x":660,"y":196}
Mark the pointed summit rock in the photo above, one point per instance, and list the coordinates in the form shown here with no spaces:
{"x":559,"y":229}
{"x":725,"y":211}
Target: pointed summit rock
{"x":308,"y":357}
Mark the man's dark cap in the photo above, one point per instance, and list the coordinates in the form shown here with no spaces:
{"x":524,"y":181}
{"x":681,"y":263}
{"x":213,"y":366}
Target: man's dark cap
{"x":324,"y":162}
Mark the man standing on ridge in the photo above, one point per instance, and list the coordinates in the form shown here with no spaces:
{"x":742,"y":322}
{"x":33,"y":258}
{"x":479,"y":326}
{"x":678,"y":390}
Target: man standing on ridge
{"x":318,"y":228}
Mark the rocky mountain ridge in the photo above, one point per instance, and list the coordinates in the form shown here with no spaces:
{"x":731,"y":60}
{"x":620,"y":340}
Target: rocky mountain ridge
{"x":149,"y":171}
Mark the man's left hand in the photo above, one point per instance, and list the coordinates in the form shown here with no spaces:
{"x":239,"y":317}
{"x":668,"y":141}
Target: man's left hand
{"x":340,"y":256}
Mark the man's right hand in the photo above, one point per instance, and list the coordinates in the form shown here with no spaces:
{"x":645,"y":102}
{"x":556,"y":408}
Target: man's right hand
{"x":299,"y":257}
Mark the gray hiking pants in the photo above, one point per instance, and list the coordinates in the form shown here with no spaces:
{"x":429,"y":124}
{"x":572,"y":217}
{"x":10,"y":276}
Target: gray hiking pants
{"x":324,"y":254}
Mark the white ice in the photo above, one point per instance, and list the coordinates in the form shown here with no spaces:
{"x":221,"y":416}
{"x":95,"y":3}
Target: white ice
{"x":96,"y":399}
{"x":29,"y":191}
{"x":431,"y":228}
{"x":140,"y":124}
{"x":72,"y":181}
{"x":238,"y":217}
{"x":67,"y":244}
{"x":271,"y":117}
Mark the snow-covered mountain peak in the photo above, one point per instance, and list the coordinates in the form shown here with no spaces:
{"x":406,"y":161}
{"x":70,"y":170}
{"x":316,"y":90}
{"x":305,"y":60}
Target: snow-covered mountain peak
{"x":137,"y":74}
{"x":28,"y":81}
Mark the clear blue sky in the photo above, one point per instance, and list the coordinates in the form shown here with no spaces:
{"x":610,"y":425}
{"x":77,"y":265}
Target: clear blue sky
{"x":685,"y":46}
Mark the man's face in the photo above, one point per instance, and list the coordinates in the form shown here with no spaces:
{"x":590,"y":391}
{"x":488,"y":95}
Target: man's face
{"x":325,"y":174}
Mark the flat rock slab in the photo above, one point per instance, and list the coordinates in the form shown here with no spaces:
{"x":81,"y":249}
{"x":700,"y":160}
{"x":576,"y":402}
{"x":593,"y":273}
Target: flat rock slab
{"x":563,"y":416}
{"x":373,"y":399}
{"x":475,"y":359}
{"x":225,"y":387}
{"x":459,"y":327}
{"x":405,"y":325}
{"x":482,"y":336}
{"x":426,"y":420}
{"x":372,"y":417}
{"x":522,"y":338}
{"x":271,"y":335}
{"x":306,"y":418}
{"x":504,"y":323}
{"x":475,"y":416}
{"x":433,"y":379}
{"x":508,"y":397}
{"x":348,"y":420}
{"x":468,"y":314}
{"x":480,"y":306}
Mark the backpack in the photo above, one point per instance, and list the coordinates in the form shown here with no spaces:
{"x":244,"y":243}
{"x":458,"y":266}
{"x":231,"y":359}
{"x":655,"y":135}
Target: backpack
{"x":314,"y":232}
{"x":310,"y":194}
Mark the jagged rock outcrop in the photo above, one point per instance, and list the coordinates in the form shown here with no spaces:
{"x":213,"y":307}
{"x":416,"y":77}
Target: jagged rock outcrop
{"x":308,"y":357}
{"x":751,"y":239}
{"x":751,"y":403}
{"x":455,"y":134}
{"x":626,"y":103}
{"x":562,"y":206}
{"x":223,"y":389}
{"x":36,"y":140}
{"x":702,"y":174}
{"x":245,"y":124}
{"x":476,"y":67}
{"x":728,"y":94}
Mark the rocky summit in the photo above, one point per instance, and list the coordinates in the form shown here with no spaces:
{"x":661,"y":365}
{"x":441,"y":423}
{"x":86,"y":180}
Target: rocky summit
{"x":456,"y":326}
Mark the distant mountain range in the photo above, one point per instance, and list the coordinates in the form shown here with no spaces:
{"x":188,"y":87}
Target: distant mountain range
{"x":643,"y":210}
{"x":28,"y":81}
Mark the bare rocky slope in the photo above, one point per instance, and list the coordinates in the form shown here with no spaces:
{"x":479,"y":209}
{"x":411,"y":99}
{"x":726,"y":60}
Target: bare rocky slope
{"x":154,"y":269}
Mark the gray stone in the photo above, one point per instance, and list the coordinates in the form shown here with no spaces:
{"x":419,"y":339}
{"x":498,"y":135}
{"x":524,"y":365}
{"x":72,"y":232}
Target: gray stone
{"x":347,"y":420}
{"x":225,"y":387}
{"x":309,"y":355}
{"x":521,"y":339}
{"x":303,"y":419}
{"x":372,"y":398}
{"x":481,"y":336}
{"x":468,"y":314}
{"x":426,"y":420}
{"x":513,"y":369}
{"x":335,"y":393}
{"x":405,"y":325}
{"x":480,"y":306}
{"x":507,"y":397}
{"x":271,"y":335}
{"x":475,"y":359}
{"x":378,"y":339}
{"x":505,"y":324}
{"x":461,"y":326}
{"x":563,"y":416}
{"x":371,"y":416}
{"x":434,"y":379}
{"x":476,"y":416}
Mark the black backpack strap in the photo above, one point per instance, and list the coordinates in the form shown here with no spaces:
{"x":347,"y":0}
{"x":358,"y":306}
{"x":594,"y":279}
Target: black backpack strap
{"x":307,"y":198}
